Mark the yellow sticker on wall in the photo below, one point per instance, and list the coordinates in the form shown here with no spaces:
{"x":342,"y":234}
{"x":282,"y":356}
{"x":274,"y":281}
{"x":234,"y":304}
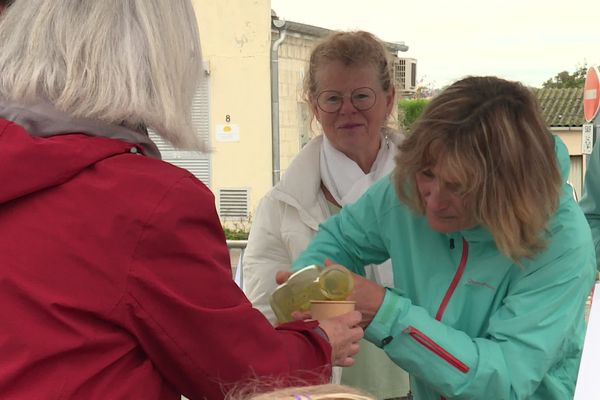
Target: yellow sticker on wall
{"x":227,"y":133}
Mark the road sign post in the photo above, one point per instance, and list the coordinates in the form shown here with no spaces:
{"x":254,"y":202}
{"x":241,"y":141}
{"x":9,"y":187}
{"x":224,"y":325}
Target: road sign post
{"x":591,"y":104}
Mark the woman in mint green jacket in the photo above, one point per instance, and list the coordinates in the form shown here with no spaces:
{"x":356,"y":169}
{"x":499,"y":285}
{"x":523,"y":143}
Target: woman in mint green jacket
{"x":492,"y":257}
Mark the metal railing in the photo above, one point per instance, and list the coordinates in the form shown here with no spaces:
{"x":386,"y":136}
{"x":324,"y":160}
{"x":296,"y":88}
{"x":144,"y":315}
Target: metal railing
{"x":239,"y":275}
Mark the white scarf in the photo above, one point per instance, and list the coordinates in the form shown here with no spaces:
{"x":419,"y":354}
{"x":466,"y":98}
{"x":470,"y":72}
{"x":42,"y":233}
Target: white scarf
{"x":343,"y":177}
{"x":347,"y":183}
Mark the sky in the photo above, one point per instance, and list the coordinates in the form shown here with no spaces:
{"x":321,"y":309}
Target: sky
{"x":525,"y":40}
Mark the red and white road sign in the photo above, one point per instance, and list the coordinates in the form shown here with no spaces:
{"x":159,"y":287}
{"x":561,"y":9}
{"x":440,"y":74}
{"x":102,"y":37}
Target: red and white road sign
{"x":591,"y":94}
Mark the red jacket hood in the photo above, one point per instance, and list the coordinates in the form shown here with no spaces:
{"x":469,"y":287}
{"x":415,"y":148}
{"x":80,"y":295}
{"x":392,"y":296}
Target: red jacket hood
{"x":29,"y":164}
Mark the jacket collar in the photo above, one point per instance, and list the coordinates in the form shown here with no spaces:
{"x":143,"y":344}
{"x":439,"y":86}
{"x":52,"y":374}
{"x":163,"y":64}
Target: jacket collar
{"x":477,"y":234}
{"x":43,"y":119}
{"x":301,"y":185}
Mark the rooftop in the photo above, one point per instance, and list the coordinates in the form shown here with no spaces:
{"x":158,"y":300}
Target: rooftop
{"x":319,"y":32}
{"x":561,"y":107}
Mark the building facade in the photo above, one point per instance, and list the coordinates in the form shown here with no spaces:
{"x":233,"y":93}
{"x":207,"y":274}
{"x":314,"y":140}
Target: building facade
{"x":235,"y":110}
{"x":563,"y":111}
{"x":233,"y":107}
{"x":405,"y":73}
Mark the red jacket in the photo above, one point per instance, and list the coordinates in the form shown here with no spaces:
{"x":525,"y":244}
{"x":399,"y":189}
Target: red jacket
{"x":115,"y":281}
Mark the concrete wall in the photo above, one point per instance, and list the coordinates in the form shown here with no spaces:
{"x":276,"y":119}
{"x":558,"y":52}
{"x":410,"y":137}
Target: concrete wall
{"x":294,"y":115}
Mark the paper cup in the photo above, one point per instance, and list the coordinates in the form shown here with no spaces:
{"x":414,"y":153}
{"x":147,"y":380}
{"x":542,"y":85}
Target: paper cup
{"x":323,"y":309}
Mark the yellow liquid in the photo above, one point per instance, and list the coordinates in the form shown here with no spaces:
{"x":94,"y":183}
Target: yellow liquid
{"x":310,"y":283}
{"x":336,"y":283}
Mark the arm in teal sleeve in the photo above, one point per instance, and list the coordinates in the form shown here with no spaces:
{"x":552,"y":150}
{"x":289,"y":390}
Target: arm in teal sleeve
{"x":351,"y":238}
{"x":525,"y":337}
{"x":591,"y":198}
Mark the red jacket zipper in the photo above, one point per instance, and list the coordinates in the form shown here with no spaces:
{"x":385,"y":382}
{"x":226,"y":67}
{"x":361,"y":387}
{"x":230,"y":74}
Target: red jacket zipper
{"x":437,"y":349}
{"x":424,"y":339}
{"x":449,"y":293}
{"x":455,"y":280}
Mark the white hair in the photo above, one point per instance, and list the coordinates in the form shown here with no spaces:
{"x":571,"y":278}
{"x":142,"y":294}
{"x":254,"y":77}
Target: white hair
{"x":129,"y":62}
{"x":327,"y":391}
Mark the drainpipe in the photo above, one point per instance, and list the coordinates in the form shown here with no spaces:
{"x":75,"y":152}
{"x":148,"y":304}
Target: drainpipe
{"x":280,"y":25}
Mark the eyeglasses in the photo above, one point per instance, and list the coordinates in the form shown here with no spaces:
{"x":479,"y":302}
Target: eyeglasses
{"x":330,"y":101}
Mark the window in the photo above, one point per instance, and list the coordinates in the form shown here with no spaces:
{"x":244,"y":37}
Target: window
{"x":197,"y":163}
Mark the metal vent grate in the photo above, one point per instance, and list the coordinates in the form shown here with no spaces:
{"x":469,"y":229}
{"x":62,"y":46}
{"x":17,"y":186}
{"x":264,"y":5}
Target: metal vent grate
{"x":233,"y":203}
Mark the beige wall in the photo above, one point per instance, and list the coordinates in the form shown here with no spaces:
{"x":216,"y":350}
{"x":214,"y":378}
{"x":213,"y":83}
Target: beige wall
{"x":235,"y":37}
{"x":572,"y":138}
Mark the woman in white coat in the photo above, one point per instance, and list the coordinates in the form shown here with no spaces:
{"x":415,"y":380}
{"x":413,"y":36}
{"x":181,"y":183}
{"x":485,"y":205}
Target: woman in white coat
{"x":349,"y":88}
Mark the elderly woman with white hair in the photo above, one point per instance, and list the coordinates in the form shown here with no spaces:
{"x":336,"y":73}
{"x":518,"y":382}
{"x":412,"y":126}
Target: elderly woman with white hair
{"x":115,"y":278}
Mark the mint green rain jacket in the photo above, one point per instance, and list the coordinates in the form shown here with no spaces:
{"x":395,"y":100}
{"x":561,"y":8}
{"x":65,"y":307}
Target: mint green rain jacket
{"x":463,"y":319}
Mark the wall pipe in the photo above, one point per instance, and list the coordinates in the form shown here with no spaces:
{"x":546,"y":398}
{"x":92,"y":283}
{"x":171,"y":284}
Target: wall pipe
{"x":275,"y":135}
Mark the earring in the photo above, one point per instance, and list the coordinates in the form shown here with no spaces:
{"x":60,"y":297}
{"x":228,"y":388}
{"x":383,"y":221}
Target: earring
{"x":386,"y":136}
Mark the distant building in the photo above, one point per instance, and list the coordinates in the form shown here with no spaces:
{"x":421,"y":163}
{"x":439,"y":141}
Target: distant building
{"x":405,"y":74}
{"x":563,"y":112}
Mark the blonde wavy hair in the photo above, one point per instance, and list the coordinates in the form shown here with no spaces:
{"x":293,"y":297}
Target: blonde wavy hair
{"x":126,"y":62}
{"x":488,"y":135}
{"x":315,"y":392}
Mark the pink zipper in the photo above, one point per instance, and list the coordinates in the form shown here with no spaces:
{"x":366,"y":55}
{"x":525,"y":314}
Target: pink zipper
{"x":455,"y":280}
{"x":436,"y":348}
{"x":424,"y":339}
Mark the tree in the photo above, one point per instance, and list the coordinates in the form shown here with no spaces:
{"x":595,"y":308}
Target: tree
{"x":565,"y":79}
{"x":409,"y":110}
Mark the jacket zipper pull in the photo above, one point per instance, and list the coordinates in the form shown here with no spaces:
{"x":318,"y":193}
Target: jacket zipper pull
{"x":451,"y":244}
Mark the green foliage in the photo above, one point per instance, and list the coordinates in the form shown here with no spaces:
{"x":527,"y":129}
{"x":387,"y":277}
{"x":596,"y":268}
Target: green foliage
{"x":235,"y":234}
{"x":237,"y":229}
{"x":409,"y":111}
{"x":565,"y":79}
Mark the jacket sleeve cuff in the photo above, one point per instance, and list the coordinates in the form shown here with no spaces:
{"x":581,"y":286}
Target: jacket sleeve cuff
{"x":380,"y":330}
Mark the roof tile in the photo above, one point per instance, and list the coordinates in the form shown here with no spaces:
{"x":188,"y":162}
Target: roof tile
{"x":561,"y":107}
